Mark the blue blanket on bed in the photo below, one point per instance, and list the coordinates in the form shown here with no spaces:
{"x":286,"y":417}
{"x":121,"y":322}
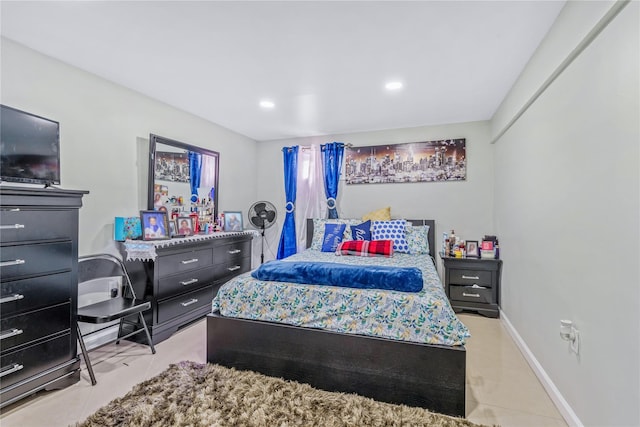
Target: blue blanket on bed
{"x":405,"y":279}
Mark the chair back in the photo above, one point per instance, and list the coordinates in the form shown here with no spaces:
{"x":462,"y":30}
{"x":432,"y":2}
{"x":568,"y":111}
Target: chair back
{"x":98,"y":266}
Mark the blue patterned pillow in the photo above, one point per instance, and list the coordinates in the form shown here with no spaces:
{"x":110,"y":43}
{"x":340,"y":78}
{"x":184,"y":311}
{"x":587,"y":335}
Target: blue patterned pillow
{"x":418,"y":239}
{"x":333,"y":234}
{"x":361,"y":231}
{"x":318,"y":230}
{"x":391,"y":230}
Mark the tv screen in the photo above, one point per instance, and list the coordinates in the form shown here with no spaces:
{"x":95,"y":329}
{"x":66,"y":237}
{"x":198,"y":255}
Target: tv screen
{"x":29,"y":148}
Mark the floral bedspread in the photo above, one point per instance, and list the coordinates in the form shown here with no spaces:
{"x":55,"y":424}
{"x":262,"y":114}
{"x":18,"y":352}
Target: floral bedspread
{"x":423,"y":317}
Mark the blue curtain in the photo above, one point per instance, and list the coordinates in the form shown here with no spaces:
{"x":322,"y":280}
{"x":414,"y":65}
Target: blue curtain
{"x":332,"y":163}
{"x":195,"y":163}
{"x":288,"y":244}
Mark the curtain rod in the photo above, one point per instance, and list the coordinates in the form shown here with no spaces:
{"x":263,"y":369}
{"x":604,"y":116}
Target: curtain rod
{"x":309,"y":147}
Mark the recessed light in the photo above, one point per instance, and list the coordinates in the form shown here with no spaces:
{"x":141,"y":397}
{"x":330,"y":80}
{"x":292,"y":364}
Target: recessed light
{"x":393,"y":85}
{"x":267,"y":104}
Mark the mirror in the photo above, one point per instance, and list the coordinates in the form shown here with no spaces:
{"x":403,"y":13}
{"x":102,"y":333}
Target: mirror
{"x":183,"y":180}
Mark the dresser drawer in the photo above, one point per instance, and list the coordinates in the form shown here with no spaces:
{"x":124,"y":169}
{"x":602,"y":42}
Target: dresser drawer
{"x":470,"y":294}
{"x":19,"y":225}
{"x":34,"y":259}
{"x":232,"y":268}
{"x":184,"y":303}
{"x":231,"y":253}
{"x":184,"y":261}
{"x":32,"y":360}
{"x":179,"y":283}
{"x":28,"y":294}
{"x":24,"y":328}
{"x":471,"y":277}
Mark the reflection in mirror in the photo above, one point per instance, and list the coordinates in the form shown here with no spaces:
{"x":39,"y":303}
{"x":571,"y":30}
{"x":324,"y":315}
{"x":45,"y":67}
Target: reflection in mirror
{"x":183,"y":180}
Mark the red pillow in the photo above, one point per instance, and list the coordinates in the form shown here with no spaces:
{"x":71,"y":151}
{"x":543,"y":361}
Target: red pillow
{"x":366,"y":248}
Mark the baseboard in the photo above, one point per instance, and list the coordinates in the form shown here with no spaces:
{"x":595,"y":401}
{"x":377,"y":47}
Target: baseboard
{"x":104,"y":336}
{"x":563,"y":406}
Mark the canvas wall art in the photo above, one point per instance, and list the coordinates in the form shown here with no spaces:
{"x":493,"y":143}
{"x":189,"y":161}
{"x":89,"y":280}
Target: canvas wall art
{"x":428,"y":161}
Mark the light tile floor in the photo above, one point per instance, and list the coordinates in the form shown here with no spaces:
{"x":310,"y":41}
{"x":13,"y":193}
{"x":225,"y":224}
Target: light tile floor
{"x":501,"y":388}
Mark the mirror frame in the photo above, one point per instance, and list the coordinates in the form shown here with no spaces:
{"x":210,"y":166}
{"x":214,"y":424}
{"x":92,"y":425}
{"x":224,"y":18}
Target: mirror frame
{"x":153,"y":141}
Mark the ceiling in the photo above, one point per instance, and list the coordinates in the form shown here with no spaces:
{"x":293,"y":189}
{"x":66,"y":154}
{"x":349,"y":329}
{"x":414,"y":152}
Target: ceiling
{"x":323,"y":64}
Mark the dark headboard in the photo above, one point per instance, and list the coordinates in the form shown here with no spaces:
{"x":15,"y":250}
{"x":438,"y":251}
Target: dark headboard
{"x":430,"y":222}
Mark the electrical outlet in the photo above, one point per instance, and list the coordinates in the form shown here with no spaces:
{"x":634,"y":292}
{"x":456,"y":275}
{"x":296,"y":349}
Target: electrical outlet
{"x":568,"y":332}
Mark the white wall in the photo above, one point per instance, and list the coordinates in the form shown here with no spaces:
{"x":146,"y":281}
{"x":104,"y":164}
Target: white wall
{"x":466,"y":206}
{"x":567,"y":213}
{"x":101,"y":124}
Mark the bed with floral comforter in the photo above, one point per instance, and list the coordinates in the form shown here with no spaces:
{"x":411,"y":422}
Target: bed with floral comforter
{"x":423,"y":317}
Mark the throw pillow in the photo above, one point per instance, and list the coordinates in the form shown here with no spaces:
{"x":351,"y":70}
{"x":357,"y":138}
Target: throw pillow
{"x":418,"y":239}
{"x":391,"y":230}
{"x":383,"y":214}
{"x":318,"y":230}
{"x":333,"y":234}
{"x":361,"y":231}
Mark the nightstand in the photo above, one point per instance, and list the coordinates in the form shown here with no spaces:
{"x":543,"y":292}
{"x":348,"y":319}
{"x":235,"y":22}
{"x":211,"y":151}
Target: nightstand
{"x":473,"y":284}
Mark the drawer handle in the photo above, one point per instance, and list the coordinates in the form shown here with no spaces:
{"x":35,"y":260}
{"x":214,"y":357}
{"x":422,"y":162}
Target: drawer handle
{"x":14,"y":297}
{"x":470,"y":277}
{"x":188,"y":282}
{"x":237,"y":267}
{"x":235,"y":251}
{"x":188,"y":303}
{"x":12,"y":333}
{"x":15,"y":368}
{"x":10,"y":227}
{"x":190,"y":261}
{"x":10,"y":263}
{"x":464,"y":294}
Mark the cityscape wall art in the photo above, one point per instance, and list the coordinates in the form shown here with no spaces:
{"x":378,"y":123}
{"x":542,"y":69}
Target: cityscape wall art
{"x":428,"y":161}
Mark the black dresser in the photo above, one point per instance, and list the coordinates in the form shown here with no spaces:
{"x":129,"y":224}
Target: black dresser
{"x":183,"y":279}
{"x":473,"y":284}
{"x":39,"y":290}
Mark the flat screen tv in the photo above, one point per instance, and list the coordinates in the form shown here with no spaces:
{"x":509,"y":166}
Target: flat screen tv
{"x":29,"y":148}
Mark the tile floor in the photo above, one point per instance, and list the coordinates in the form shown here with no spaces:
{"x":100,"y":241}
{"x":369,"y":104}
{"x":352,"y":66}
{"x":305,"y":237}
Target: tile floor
{"x":501,"y":388}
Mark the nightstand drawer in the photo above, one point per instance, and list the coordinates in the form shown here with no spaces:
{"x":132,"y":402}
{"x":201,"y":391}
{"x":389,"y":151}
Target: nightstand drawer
{"x":470,"y":294}
{"x":470,"y":277}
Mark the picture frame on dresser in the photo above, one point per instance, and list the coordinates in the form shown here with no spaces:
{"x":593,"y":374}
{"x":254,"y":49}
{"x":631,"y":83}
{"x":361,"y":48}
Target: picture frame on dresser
{"x":473,"y":250}
{"x":173,"y":229}
{"x":184,"y":226}
{"x":233,"y":221}
{"x":155,"y":225}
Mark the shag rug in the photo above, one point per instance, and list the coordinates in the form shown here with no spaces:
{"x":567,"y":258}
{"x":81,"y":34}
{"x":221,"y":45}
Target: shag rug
{"x":193,"y":394}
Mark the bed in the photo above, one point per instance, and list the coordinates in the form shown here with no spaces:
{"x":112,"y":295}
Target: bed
{"x":390,"y":368}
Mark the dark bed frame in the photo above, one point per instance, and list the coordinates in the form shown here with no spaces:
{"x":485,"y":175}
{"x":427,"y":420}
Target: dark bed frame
{"x":423,"y":375}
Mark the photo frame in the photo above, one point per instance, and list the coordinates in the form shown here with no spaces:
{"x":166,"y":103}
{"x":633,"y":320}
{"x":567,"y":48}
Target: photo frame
{"x":173,"y":229}
{"x":155,"y":225}
{"x":185,"y":226}
{"x":473,"y":250}
{"x":232,"y":221}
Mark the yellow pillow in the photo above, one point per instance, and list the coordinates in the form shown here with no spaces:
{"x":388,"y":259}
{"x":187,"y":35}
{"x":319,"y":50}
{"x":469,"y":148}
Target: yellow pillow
{"x":383,"y":214}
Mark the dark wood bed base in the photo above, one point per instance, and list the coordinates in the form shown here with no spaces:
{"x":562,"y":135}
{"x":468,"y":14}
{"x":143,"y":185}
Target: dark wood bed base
{"x":429,"y":376}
